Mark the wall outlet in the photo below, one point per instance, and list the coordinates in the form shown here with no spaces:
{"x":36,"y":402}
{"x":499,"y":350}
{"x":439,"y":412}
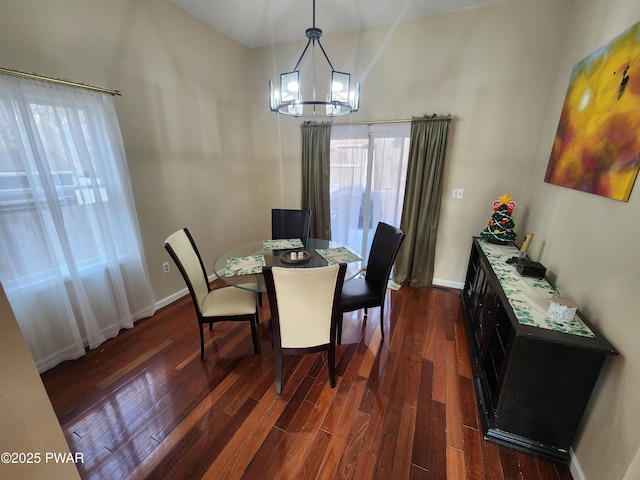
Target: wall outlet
{"x":457,"y":193}
{"x":166,"y":267}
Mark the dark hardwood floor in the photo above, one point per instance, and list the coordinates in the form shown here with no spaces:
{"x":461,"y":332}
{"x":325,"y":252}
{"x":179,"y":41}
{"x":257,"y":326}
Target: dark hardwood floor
{"x":143,"y":406}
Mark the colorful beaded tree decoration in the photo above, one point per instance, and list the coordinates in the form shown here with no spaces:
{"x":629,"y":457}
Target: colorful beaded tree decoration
{"x":501,"y":228}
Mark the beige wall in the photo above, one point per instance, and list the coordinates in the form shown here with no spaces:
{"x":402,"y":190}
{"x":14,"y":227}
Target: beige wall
{"x":203,"y":157}
{"x":588,"y":244}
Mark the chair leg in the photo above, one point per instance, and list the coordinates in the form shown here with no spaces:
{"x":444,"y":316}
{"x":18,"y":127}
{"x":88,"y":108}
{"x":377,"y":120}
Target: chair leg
{"x":278,"y":358}
{"x":202,"y":342}
{"x":270,"y":327}
{"x":210,"y":326}
{"x":339,"y":332}
{"x":365,"y":311}
{"x":382,"y":319}
{"x":254,"y":334}
{"x":332,"y":365}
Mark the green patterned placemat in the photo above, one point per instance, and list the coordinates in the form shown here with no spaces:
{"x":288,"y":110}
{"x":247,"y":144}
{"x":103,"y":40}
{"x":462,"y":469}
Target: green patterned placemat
{"x":529,"y":297}
{"x":338,"y":255}
{"x":248,"y":265}
{"x":282,"y":244}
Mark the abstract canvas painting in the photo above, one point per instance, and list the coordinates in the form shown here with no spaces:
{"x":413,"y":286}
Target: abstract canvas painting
{"x":597,"y":145}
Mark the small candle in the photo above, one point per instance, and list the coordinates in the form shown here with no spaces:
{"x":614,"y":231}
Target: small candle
{"x":526,"y":243}
{"x":294,"y":255}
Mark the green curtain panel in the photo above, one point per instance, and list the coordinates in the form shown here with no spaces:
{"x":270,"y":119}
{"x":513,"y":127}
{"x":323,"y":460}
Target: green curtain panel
{"x":316,"y":161}
{"x":422,"y":197}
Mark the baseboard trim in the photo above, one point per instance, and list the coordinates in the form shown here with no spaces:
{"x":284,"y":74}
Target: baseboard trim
{"x":178,"y":295}
{"x":447,"y":283}
{"x":171,"y":298}
{"x":574,"y":466}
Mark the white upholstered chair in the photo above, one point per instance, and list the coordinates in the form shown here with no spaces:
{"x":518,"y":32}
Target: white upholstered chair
{"x":305,"y":307}
{"x":218,"y":305}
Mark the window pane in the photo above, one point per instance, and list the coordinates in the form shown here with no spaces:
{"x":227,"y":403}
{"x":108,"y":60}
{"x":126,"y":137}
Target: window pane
{"x":57,"y":168}
{"x":368,"y":172}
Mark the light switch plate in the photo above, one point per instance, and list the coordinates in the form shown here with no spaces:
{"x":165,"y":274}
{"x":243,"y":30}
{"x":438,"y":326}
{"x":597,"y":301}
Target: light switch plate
{"x":457,"y":193}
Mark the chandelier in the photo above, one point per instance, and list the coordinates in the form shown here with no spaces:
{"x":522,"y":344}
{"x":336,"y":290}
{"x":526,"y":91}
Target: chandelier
{"x":289,"y":100}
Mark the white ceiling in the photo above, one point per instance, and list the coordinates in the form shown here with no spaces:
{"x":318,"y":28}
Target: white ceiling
{"x":257,"y":23}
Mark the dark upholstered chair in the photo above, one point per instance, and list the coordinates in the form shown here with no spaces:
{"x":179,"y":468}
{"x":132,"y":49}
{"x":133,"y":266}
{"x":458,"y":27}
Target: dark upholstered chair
{"x":371,"y":290}
{"x":305,"y":308}
{"x":287,"y":224}
{"x":222,"y":304}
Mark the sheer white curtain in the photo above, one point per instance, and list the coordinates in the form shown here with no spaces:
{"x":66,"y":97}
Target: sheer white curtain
{"x":71,"y":263}
{"x":368,"y":173}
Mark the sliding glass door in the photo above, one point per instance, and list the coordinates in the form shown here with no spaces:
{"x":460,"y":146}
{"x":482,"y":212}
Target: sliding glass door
{"x":368,"y":172}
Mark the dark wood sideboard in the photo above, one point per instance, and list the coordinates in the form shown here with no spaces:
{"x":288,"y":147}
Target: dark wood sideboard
{"x":532,"y":384}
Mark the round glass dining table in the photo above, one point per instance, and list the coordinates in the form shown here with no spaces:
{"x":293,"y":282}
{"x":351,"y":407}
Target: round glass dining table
{"x":275,"y":258}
